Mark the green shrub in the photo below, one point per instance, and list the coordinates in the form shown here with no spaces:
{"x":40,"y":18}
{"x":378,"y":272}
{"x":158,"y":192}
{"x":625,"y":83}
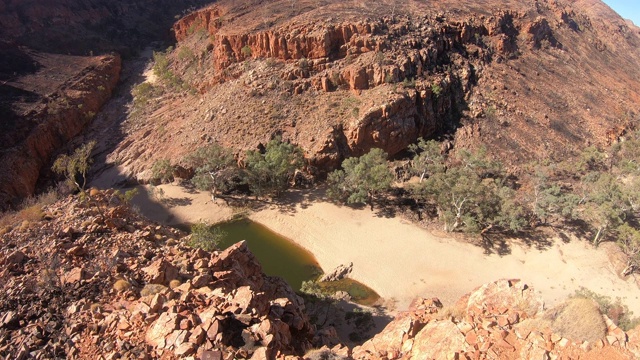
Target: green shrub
{"x":304,"y":64}
{"x":436,"y":89}
{"x":185,"y":54}
{"x":161,"y":63}
{"x":127,"y":196}
{"x":76,"y":166}
{"x":409,"y":83}
{"x":205,"y":236}
{"x":490,"y":112}
{"x":162,"y":171}
{"x":246,"y":51}
{"x":269,"y":173}
{"x":143,"y":92}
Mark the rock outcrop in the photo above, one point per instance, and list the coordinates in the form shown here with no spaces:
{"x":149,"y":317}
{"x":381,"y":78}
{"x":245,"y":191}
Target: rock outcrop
{"x":47,"y":96}
{"x":338,"y":273}
{"x":92,"y":279}
{"x":486,"y":324}
{"x":88,"y":26}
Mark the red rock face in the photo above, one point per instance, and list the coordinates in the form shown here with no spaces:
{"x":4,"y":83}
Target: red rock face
{"x":56,"y":122}
{"x":285,"y":43}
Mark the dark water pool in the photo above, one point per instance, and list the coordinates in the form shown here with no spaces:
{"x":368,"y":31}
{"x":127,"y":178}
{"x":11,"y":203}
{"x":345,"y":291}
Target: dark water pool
{"x":278,"y":256}
{"x":282,"y":257}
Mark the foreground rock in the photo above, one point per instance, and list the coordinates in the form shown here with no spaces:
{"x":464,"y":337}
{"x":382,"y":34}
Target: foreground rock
{"x":96,"y":281}
{"x":93,"y":280}
{"x":338,"y":273}
{"x":493,"y":322}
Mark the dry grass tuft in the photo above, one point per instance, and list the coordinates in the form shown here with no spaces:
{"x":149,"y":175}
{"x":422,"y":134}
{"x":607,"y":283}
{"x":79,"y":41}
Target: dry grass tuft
{"x":533,"y":324}
{"x":47,"y":278}
{"x":25,"y":225}
{"x":323,"y":354}
{"x":152,"y":289}
{"x":451,"y":312}
{"x":4,"y":230}
{"x":174,"y":284}
{"x":577,"y":319}
{"x":121,"y":285}
{"x":32,"y":213}
{"x":31,"y":210}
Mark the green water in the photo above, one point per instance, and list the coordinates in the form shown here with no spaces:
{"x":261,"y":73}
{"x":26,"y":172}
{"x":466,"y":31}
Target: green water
{"x":282,"y":257}
{"x":278,"y":256}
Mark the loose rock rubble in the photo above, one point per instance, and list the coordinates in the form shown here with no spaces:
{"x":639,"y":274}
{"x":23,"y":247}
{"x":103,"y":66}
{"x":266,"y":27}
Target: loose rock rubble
{"x":97,"y":281}
{"x":94,"y":280}
{"x":484,"y":325}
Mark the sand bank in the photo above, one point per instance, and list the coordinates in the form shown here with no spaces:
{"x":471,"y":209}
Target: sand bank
{"x":402,"y":261}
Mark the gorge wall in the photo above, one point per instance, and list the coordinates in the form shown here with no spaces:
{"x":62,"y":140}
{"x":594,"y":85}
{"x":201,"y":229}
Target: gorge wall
{"x":51,"y":83}
{"x":34,"y":131}
{"x":527,"y":80}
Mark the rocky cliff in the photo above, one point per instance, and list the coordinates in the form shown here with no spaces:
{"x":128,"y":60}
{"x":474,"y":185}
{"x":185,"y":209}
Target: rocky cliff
{"x":529,"y":80}
{"x":58,"y":106}
{"x":88,"y":27}
{"x":51,"y":85}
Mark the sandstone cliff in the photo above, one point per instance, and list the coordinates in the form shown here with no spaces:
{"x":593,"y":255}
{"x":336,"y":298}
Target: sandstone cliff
{"x":47,"y":97}
{"x":88,"y":27}
{"x":529,"y":80}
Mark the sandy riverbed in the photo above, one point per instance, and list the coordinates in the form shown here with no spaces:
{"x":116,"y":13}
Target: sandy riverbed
{"x":402,"y":261}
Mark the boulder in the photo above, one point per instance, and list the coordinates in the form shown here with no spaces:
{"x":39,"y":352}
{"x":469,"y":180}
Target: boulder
{"x":338,"y":273}
{"x":160,"y":329}
{"x":161,"y":272}
{"x":495,"y":297}
{"x":438,"y":340}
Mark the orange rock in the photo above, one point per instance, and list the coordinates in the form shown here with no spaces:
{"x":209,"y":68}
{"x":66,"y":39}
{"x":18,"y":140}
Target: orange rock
{"x":471,"y":338}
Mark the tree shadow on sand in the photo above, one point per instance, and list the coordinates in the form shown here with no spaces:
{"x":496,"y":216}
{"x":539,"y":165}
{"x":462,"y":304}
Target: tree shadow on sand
{"x":501,"y":243}
{"x":292,"y":199}
{"x":173,"y":202}
{"x":286,"y":203}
